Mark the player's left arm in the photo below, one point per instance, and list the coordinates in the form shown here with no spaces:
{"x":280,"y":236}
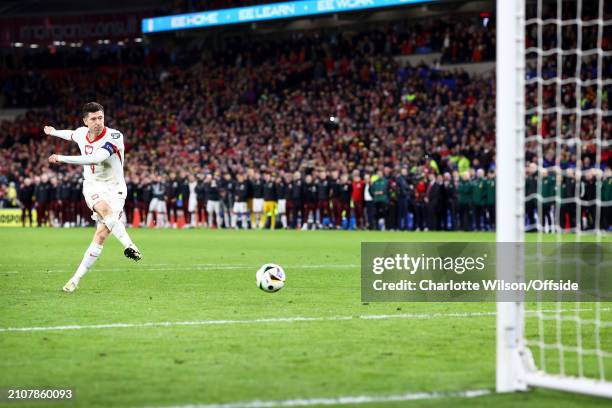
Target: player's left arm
{"x":102,"y":153}
{"x":62,"y":134}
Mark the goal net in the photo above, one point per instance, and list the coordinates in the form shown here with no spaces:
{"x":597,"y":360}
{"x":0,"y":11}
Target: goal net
{"x":554,"y":146}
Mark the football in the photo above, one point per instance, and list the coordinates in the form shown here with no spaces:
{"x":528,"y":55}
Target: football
{"x":270,"y":278}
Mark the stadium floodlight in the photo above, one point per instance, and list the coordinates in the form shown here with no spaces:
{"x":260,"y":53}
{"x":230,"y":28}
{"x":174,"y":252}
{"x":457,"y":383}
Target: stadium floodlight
{"x":544,"y":76}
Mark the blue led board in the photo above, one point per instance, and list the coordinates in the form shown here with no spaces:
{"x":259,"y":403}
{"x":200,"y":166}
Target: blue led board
{"x":266,"y":12}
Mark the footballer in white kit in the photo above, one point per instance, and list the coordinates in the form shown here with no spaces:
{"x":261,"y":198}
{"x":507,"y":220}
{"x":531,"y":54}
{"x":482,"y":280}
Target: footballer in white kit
{"x":104,"y":189}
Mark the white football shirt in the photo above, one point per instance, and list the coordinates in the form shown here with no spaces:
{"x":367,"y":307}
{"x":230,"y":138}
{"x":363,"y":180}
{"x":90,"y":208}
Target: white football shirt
{"x":111,"y":169}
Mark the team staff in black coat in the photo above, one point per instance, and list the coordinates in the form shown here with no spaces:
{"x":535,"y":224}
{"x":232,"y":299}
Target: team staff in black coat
{"x":296,"y":204}
{"x":147,"y":197}
{"x":310,"y":202}
{"x":25,"y":197}
{"x":403,"y":198}
{"x":341,"y":198}
{"x":172,"y":191}
{"x":227,"y":186}
{"x":201,"y":196}
{"x":435,"y":195}
{"x":323,"y":184}
{"x":183,"y":196}
{"x":42,"y":192}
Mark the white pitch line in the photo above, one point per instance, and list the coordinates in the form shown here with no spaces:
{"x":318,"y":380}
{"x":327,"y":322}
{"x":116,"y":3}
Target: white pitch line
{"x":199,"y":267}
{"x":263,"y":320}
{"x":349,"y":400}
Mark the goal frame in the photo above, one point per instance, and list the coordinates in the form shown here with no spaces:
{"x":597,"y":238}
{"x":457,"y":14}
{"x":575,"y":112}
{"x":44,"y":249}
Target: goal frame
{"x":515,"y":367}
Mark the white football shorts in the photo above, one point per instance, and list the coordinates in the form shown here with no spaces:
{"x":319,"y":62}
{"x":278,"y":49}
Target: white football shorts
{"x":240,"y":207}
{"x":95,"y":192}
{"x":158,"y":205}
{"x":213,"y":207}
{"x":258,"y":204}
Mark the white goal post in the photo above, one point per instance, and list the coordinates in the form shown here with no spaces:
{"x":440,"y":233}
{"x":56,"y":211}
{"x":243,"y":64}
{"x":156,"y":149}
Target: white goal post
{"x":516,"y":369}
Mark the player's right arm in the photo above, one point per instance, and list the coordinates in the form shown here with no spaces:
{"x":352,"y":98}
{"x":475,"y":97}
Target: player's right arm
{"x":98,"y":156}
{"x":64,"y":134}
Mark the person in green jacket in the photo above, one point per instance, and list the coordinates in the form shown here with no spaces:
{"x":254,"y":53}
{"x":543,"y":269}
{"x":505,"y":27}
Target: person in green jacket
{"x":548,"y":189}
{"x":463,"y":164}
{"x":567,"y":184}
{"x":380,"y":195}
{"x":531,"y":201}
{"x":490,"y":200}
{"x":478,"y":199}
{"x":464,"y":200}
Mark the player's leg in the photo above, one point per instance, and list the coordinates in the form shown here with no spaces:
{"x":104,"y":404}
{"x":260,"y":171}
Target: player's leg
{"x":163,"y":219}
{"x":243,"y":210}
{"x":187,"y":213}
{"x":110,"y":218}
{"x":235,"y":215}
{"x":90,"y":257}
{"x":152,"y":206}
{"x":217,"y":208}
{"x":191,"y":209}
{"x":273,"y":214}
{"x":267,"y":213}
{"x":282,"y":212}
{"x":227,"y":215}
{"x":209,"y":211}
{"x":258,"y":210}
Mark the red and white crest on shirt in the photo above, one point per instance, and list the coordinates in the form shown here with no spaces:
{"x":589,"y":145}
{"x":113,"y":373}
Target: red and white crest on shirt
{"x":88,"y":149}
{"x":95,"y":197}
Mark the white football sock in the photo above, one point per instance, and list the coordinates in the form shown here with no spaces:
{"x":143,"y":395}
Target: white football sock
{"x":89,"y":258}
{"x":149,"y":218}
{"x":117,"y":228}
{"x":219,"y":220}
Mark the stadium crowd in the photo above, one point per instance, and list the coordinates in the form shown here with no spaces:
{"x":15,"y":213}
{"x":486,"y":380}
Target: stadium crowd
{"x":303,"y":132}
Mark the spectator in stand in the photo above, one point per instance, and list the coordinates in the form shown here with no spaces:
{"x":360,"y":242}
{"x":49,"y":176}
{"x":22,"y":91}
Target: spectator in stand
{"x":219,"y":110}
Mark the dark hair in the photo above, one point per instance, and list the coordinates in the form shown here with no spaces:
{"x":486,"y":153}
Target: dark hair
{"x":91,"y":107}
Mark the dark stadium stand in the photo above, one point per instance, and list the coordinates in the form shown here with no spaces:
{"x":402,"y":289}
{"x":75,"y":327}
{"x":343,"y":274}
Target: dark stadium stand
{"x":339,"y":100}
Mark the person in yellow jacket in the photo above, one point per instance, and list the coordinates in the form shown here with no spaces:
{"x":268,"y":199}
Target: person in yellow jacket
{"x":270,"y":197}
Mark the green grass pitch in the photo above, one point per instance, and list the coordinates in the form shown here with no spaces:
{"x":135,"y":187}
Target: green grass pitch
{"x":233,"y":354}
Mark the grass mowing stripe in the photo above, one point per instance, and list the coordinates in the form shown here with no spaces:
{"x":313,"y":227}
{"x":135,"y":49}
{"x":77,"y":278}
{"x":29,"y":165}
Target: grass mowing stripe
{"x":268,"y":320}
{"x":351,"y":400}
